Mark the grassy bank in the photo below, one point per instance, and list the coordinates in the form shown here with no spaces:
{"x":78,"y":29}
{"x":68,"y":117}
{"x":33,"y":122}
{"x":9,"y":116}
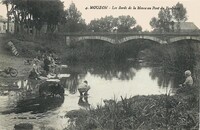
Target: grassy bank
{"x":157,"y":112}
{"x":29,"y":46}
{"x":7,"y":59}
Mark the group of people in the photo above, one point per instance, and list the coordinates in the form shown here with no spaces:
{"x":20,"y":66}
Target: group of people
{"x":42,"y":66}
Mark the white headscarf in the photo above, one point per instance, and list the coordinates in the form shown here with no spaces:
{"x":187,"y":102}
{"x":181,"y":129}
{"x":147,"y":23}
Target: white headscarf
{"x":188,"y":73}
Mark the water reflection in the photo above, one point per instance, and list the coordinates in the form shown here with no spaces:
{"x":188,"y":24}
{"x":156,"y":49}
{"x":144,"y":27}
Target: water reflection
{"x":72,"y":83}
{"x":83,"y":101}
{"x":35,"y":105}
{"x":102,"y":88}
{"x":25,"y":98}
{"x":165,"y":77}
{"x":110,"y":81}
{"x":108,"y":71}
{"x":19,"y":90}
{"x":23,"y":104}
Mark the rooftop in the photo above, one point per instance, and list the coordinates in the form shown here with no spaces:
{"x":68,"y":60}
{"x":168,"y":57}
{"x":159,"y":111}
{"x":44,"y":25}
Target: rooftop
{"x":186,"y":26}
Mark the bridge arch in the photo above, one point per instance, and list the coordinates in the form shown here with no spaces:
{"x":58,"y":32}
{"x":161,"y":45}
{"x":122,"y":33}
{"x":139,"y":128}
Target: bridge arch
{"x":184,"y":38}
{"x":142,"y":37}
{"x":110,"y":40}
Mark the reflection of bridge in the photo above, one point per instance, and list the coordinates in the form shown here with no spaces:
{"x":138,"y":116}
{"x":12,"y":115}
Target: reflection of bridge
{"x":118,"y":38}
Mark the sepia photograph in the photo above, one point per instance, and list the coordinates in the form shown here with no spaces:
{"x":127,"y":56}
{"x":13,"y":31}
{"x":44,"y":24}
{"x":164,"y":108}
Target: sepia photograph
{"x":99,"y":64}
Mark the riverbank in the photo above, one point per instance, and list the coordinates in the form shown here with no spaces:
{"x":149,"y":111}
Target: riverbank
{"x":28,"y":47}
{"x":157,"y":112}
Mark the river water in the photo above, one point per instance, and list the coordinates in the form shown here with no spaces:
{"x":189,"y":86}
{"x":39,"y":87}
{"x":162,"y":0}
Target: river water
{"x":22,"y":104}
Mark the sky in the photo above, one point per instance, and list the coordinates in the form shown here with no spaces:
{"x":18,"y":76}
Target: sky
{"x":142,"y":16}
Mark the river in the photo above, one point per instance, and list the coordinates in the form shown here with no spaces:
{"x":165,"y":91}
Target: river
{"x":108,"y":80}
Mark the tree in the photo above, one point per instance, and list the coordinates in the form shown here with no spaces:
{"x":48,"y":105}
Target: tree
{"x":93,"y":26}
{"x":49,"y":12}
{"x":137,"y":29}
{"x":163,"y":22}
{"x":165,"y":18}
{"x":35,"y":13}
{"x":154,"y":23}
{"x":21,"y":14}
{"x":53,"y":14}
{"x":73,"y":21}
{"x":125,"y":23}
{"x":179,"y":14}
{"x":107,"y":24}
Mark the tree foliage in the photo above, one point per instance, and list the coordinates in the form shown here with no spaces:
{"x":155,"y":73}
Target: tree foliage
{"x":107,"y":24}
{"x":163,"y":22}
{"x":73,"y":22}
{"x":125,"y":23}
{"x":137,"y":28}
{"x":166,"y":17}
{"x":179,"y":12}
{"x":36,"y":13}
{"x":154,"y":23}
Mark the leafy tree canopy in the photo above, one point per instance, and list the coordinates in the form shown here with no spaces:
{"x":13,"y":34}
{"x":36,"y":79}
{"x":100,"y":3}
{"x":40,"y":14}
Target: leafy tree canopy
{"x":36,"y":12}
{"x":179,"y":12}
{"x":166,"y":17}
{"x":109,"y":23}
{"x":73,"y":22}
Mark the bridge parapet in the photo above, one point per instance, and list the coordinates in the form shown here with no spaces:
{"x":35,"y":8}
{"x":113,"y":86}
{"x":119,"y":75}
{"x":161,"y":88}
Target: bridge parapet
{"x":119,"y":38}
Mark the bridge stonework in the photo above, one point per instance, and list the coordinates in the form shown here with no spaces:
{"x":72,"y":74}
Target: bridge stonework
{"x":119,"y":38}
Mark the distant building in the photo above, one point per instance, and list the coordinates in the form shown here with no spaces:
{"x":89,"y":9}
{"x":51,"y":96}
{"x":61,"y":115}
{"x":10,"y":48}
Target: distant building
{"x":185,"y":27}
{"x":3,"y":26}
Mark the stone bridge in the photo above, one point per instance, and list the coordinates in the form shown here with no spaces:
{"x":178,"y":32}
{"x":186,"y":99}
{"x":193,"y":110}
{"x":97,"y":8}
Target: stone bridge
{"x":119,"y":38}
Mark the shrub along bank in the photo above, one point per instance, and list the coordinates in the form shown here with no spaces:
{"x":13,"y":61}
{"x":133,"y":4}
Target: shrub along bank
{"x":156,"y":112}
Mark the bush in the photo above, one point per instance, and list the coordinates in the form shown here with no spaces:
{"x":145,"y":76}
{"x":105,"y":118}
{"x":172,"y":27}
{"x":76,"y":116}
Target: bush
{"x":139,"y":112}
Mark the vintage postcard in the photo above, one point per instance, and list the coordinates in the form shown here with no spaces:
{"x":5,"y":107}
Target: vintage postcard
{"x":99,"y":64}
